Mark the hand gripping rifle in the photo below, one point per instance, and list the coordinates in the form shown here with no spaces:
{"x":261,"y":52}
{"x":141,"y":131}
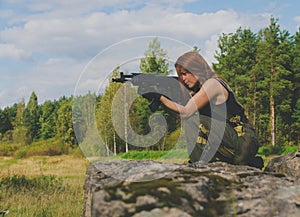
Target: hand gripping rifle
{"x":152,"y":84}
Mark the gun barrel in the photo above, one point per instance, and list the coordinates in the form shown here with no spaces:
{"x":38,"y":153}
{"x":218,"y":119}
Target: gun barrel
{"x":118,"y":80}
{"x":123,"y":78}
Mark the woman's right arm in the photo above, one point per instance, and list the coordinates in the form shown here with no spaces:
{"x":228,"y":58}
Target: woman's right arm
{"x":211,"y":90}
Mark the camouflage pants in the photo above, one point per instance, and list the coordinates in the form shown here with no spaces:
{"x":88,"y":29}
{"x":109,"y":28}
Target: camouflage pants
{"x":212,"y":140}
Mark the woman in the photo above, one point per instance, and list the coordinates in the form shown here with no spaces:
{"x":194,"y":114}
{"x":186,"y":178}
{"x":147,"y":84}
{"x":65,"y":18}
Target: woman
{"x":223,"y":132}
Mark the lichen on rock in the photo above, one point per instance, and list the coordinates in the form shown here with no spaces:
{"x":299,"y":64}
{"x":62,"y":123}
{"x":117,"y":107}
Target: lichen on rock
{"x":218,"y":189}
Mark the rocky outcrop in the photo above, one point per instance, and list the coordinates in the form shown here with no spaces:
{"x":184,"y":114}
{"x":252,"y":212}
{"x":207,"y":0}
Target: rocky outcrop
{"x":288,"y":164}
{"x":130,"y":188}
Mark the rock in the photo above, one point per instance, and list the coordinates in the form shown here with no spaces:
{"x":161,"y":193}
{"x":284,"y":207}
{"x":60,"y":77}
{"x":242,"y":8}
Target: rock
{"x":149,"y":188}
{"x":166,"y":212}
{"x":288,"y":164}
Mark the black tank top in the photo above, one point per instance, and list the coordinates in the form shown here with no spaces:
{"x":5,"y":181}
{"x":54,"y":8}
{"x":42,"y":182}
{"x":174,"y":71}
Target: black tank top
{"x":235,"y":113}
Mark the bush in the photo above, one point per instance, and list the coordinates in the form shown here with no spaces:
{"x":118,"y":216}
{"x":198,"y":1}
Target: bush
{"x":21,"y":153}
{"x":290,"y":149}
{"x":174,"y":138}
{"x":7,"y":149}
{"x":76,"y":151}
{"x":276,"y":150}
{"x":49,"y":147}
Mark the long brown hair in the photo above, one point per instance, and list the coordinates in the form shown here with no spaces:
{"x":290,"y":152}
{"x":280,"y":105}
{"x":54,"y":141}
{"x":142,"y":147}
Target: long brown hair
{"x":195,"y":64}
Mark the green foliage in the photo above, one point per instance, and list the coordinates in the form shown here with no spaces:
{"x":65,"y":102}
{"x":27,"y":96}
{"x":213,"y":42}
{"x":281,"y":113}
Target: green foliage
{"x":6,"y":119}
{"x":31,"y":117}
{"x":92,"y":145}
{"x":64,"y":124}
{"x":262,"y":68}
{"x":48,"y":147}
{"x":47,"y":120}
{"x":154,"y":155}
{"x":7,"y":149}
{"x":277,"y":150}
{"x":103,"y":114}
{"x":83,"y":114}
{"x":259,"y":68}
{"x":19,"y":131}
{"x":174,"y":138}
{"x":155,"y":60}
{"x":273,"y":57}
{"x":138,"y":155}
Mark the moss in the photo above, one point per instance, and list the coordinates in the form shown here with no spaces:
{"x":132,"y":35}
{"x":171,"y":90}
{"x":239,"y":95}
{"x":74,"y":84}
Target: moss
{"x":217,"y":186}
{"x":177,"y":196}
{"x":174,"y":198}
{"x":213,"y":209}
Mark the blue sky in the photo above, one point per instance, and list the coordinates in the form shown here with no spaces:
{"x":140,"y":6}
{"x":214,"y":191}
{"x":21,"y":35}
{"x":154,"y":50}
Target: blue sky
{"x":46,"y":46}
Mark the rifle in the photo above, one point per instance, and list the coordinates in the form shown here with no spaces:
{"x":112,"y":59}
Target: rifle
{"x":147,"y":83}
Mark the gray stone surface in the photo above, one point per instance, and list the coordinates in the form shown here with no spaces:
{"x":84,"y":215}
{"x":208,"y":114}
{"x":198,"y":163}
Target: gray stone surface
{"x":288,"y":164}
{"x":218,"y":189}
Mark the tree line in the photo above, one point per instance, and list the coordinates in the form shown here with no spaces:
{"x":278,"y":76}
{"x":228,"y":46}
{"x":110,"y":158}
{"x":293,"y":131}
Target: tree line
{"x":25,"y":123}
{"x":262,"y":69}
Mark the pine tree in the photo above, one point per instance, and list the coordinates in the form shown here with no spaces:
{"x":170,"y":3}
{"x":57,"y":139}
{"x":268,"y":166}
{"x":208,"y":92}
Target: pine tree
{"x":7,"y":116}
{"x":236,"y":58}
{"x":47,"y":120}
{"x":64,"y":124}
{"x":155,"y":60}
{"x":31,"y":117}
{"x":19,"y":131}
{"x":295,"y":126}
{"x":274,"y":67}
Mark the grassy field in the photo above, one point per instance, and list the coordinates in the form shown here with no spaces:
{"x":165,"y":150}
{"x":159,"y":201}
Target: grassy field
{"x":42,"y":186}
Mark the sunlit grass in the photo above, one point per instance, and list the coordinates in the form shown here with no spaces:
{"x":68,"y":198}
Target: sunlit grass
{"x":56,"y":183}
{"x":42,"y":186}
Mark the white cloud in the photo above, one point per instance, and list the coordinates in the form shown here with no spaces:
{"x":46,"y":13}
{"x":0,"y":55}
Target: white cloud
{"x":83,"y":36}
{"x":50,"y":80}
{"x":209,"y":49}
{"x":6,"y":14}
{"x":71,"y":34}
{"x":12,"y":52}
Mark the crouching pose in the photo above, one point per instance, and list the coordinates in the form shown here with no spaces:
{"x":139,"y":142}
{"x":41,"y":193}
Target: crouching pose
{"x":216,"y":127}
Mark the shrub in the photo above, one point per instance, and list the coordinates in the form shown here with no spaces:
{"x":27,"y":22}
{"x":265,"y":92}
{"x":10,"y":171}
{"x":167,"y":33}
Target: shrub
{"x":49,"y":147}
{"x":174,"y":138}
{"x":7,"y":149}
{"x":276,"y":150}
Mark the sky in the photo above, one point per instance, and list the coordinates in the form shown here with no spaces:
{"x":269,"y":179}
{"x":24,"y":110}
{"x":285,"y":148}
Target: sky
{"x":59,"y":47}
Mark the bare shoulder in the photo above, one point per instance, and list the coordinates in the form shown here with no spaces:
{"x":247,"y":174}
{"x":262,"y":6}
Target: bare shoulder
{"x":214,"y":89}
{"x":212,"y":83}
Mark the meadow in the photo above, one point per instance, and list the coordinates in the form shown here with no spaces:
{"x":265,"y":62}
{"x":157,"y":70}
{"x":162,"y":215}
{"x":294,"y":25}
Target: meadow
{"x":42,"y":186}
{"x":52,"y":186}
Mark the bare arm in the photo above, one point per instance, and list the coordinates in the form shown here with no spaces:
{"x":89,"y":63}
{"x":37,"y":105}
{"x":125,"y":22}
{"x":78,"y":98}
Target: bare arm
{"x":211,"y":91}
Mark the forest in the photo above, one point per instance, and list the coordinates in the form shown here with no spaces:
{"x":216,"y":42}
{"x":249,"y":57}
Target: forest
{"x":262,"y":68}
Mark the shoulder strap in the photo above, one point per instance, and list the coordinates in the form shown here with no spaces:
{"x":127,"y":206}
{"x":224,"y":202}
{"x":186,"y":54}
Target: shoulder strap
{"x":224,"y":84}
{"x":232,"y":96}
